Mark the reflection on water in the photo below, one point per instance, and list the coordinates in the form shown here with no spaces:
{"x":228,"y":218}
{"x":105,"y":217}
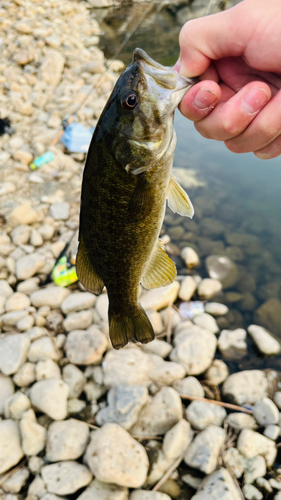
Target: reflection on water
{"x":238,"y":207}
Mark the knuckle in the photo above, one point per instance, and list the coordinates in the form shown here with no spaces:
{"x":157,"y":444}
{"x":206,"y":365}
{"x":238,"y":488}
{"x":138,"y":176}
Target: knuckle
{"x":187,"y":31}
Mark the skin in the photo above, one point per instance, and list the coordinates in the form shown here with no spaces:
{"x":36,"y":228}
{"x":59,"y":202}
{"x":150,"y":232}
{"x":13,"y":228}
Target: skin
{"x":238,"y":55}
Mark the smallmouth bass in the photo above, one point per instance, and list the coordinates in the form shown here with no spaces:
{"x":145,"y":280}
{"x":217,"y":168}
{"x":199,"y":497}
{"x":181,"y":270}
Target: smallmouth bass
{"x":126,"y":181}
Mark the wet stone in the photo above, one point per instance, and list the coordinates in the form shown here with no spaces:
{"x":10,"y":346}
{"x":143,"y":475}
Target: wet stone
{"x":222,"y":268}
{"x":232,"y":343}
{"x":216,"y":309}
{"x":190,"y":257}
{"x":187,"y":288}
{"x":207,"y":322}
{"x":208,"y":288}
{"x":263,"y":340}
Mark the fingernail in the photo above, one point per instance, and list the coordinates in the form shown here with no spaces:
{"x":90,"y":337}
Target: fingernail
{"x":204,"y":99}
{"x":254,"y":100}
{"x":177,"y":66}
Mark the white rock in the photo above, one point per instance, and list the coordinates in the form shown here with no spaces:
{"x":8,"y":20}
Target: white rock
{"x":13,"y":317}
{"x":5,"y":289}
{"x":46,"y":231}
{"x":78,"y":321}
{"x":101,"y":306}
{"x":159,"y":414}
{"x":78,"y":301}
{"x":232,"y":343}
{"x":10,"y":447}
{"x":7,"y":188}
{"x":156,"y":321}
{"x":251,"y":444}
{"x":248,"y":386}
{"x":50,"y":396}
{"x":189,"y":386}
{"x":3,"y":301}
{"x":28,"y":286}
{"x":264,"y":340}
{"x":159,"y":347}
{"x":160,"y":297}
{"x":241,"y":421}
{"x":85,"y":347}
{"x":115,"y":457}
{"x":37,"y":488}
{"x":25,"y":323}
{"x":218,"y":485}
{"x":104,"y":491}
{"x":51,"y":496}
{"x":25,"y":376}
{"x":254,"y":467}
{"x":13,"y":352}
{"x":277,"y":399}
{"x":17,"y":302}
{"x":148,"y":495}
{"x":21,"y":234}
{"x":75,"y":379}
{"x":60,"y":211}
{"x":208,"y":288}
{"x":29,"y":265}
{"x":75,"y":406}
{"x":203,"y":452}
{"x":217,"y":372}
{"x":187,"y":288}
{"x":23,"y":214}
{"x":35,"y":238}
{"x":264,"y":485}
{"x":33,"y":435}
{"x":207,"y":322}
{"x":66,"y":440}
{"x":51,"y":68}
{"x":194,"y":349}
{"x":251,"y":492}
{"x":272,"y":432}
{"x":222,"y":268}
{"x":16,"y":481}
{"x":47,"y":369}
{"x":190,"y":257}
{"x":234,"y":461}
{"x":177,"y":439}
{"x":216,"y":309}
{"x":6,"y":390}
{"x":16,"y":405}
{"x":202,"y":414}
{"x":265,"y":412}
{"x":65,"y":478}
{"x":52,"y":296}
{"x":43,"y":348}
{"x":167,"y":372}
{"x":36,"y":333}
{"x":127,"y":367}
{"x":35,"y":464}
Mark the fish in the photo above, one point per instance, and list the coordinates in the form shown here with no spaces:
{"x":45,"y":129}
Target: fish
{"x":126,"y":181}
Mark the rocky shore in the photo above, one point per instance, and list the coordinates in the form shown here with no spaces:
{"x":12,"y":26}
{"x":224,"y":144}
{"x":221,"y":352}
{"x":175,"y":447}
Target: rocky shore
{"x":79,"y":420}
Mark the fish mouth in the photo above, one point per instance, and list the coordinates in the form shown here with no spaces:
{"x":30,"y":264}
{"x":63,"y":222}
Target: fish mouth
{"x":164,"y":76}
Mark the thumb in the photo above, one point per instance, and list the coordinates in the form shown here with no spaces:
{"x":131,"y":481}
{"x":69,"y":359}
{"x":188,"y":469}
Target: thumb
{"x":212,"y":38}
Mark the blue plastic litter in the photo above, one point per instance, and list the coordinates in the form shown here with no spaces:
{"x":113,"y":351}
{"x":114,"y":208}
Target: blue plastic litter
{"x":191,"y":309}
{"x":76,"y":138}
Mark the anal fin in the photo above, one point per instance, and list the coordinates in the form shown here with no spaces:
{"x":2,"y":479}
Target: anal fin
{"x":86,"y":272}
{"x":161,"y":270}
{"x":178,"y":200}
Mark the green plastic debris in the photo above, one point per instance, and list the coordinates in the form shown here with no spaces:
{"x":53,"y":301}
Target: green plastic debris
{"x":64,"y":273}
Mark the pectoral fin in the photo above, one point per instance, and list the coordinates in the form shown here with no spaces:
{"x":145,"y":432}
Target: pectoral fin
{"x":178,"y":200}
{"x":141,"y":201}
{"x":161,"y":271}
{"x":86,"y":272}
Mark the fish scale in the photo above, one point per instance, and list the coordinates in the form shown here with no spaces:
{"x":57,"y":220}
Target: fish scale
{"x":126,"y":181}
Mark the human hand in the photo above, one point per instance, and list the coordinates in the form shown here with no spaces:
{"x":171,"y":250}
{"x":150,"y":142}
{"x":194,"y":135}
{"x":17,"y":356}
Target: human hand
{"x":238,"y":55}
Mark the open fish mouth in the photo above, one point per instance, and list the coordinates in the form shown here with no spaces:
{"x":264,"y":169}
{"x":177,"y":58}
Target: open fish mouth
{"x":164,"y":76}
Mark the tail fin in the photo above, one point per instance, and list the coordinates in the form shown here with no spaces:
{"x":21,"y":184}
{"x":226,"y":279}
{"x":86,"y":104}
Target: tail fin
{"x":136,"y":327}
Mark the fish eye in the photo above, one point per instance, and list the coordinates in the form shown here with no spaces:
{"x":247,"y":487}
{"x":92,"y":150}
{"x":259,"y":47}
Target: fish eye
{"x":130,"y":101}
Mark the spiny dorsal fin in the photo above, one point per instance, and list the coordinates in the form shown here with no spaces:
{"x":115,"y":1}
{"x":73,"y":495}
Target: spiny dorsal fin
{"x":141,"y":201}
{"x":178,"y":200}
{"x":86,"y":272}
{"x":161,"y":271}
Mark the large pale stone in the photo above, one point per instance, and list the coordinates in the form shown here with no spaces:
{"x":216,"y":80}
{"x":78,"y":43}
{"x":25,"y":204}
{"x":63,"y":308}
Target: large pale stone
{"x":194,"y":349}
{"x":115,"y":457}
{"x":50,"y":396}
{"x":251,"y":443}
{"x":43,"y":348}
{"x":51,"y":296}
{"x":65,"y":478}
{"x":160,"y":297}
{"x":248,"y":386}
{"x":208,"y":288}
{"x":201,"y":414}
{"x":17,"y":302}
{"x":52,"y":67}
{"x":7,"y":388}
{"x":127,"y":367}
{"x":66,"y":440}
{"x":10,"y":447}
{"x":177,"y":439}
{"x":99,"y":490}
{"x":85,"y":347}
{"x":159,"y":414}
{"x":28,"y":265}
{"x":218,"y":485}
{"x":33,"y":434}
{"x":264,"y":340}
{"x":78,"y":301}
{"x":13,"y":352}
{"x":203,"y":453}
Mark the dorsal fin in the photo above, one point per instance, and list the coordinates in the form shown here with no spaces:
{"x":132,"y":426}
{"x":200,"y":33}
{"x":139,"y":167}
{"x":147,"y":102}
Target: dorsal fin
{"x":160,"y":271}
{"x":86,"y":272}
{"x":178,"y":200}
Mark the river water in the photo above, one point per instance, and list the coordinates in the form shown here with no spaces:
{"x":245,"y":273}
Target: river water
{"x":236,"y":197}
